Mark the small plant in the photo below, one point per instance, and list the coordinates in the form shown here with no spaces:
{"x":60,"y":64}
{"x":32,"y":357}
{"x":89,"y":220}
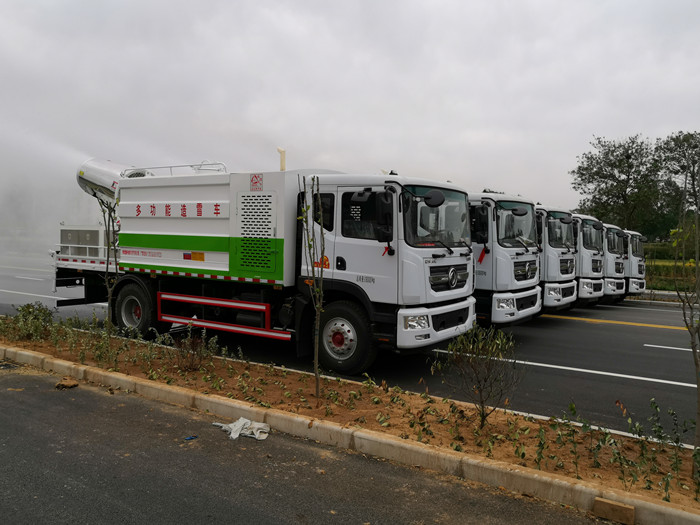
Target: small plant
{"x":541,"y":447}
{"x":484,"y":368}
{"x":194,"y":350}
{"x":383,"y":419}
{"x":32,"y":323}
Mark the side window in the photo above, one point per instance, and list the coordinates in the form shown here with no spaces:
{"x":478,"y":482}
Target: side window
{"x":327,"y":209}
{"x":359,"y":216}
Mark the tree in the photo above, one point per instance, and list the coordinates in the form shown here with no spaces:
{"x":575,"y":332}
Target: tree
{"x":680,"y":154}
{"x":109,"y":217}
{"x":620,"y":181}
{"x":314,"y":256}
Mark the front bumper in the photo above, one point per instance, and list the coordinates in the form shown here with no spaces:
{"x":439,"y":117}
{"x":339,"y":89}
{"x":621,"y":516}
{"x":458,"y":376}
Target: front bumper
{"x":557,"y":295}
{"x":636,"y":286}
{"x":419,"y":327}
{"x":510,"y":307}
{"x":614,"y":287}
{"x":590,"y":288}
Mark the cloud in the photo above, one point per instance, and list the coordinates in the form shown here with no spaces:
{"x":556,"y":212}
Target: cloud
{"x":486,"y":93}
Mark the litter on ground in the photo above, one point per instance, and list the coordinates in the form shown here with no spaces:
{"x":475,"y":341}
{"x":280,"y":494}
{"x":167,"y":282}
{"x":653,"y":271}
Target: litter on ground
{"x":245,"y":427}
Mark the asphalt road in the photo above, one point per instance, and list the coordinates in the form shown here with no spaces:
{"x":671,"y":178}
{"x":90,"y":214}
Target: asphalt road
{"x":85,"y":456}
{"x":591,"y":357}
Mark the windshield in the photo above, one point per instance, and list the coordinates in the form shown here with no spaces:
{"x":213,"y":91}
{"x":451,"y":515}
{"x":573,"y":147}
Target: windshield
{"x":592,"y":238}
{"x":613,"y":243}
{"x":516,"y":231}
{"x":560,"y":235}
{"x":637,"y":246}
{"x":427,"y":227}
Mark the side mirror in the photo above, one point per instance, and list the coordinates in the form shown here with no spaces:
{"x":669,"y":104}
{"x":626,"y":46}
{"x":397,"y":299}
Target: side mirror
{"x":598,"y":226}
{"x":643,"y":239}
{"x":384,"y":233}
{"x":385,"y":209}
{"x":566,"y":220}
{"x":480,"y":224}
{"x":434,"y":198}
{"x":621,"y":234}
{"x":519,"y":212}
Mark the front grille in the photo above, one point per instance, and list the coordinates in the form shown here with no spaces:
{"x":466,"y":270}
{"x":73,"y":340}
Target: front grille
{"x":524,"y":270}
{"x":566,"y":266}
{"x":443,"y":278}
{"x":642,"y":285}
{"x":568,"y":292}
{"x":620,"y":285}
{"x":596,"y":265}
{"x":526,"y":302}
{"x":619,"y":267}
{"x":597,"y":287}
{"x":450,"y":319}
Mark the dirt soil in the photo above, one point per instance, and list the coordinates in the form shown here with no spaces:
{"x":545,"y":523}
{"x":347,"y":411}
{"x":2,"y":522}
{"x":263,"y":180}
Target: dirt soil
{"x":623,"y":463}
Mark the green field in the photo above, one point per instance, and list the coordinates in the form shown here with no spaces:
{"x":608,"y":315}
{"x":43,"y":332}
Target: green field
{"x":662,"y":274}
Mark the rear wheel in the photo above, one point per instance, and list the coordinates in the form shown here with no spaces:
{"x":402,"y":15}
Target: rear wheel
{"x":134,"y":309}
{"x":345,"y":338}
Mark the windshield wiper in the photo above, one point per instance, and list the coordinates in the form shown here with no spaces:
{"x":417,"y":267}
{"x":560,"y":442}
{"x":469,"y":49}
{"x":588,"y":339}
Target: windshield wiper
{"x":521,"y":241}
{"x":444,"y":246}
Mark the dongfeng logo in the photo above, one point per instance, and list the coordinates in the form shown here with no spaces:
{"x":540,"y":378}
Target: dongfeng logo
{"x":452,"y":277}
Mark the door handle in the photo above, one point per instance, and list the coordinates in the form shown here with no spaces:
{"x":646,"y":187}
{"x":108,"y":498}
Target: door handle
{"x":340,"y":263}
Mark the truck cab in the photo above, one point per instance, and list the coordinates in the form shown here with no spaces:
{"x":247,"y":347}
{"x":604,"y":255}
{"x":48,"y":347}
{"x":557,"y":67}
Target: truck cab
{"x":504,"y":238}
{"x":555,"y":236}
{"x":635,"y":269}
{"x":588,"y":232}
{"x":614,"y":262}
{"x":402,"y":248}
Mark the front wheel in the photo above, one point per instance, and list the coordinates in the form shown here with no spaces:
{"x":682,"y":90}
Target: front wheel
{"x":345,"y":338}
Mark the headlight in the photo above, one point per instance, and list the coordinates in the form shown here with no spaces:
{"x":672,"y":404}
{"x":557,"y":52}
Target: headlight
{"x":416,"y":322}
{"x":611,"y":285}
{"x":554,"y":292}
{"x":505,"y":304}
{"x":587,"y":285}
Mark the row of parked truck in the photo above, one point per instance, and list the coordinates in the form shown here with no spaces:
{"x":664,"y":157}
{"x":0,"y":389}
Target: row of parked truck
{"x":407,"y":263}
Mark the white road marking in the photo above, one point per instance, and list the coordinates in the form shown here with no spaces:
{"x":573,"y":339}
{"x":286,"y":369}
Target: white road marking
{"x":41,"y":270}
{"x":33,"y":294}
{"x":28,"y":278}
{"x":669,"y":348}
{"x":595,"y":372}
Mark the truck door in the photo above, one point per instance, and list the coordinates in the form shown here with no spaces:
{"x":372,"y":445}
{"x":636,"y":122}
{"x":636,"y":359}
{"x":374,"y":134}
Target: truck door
{"x":366,"y":253}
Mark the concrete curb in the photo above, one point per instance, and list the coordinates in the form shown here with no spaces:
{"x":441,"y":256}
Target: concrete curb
{"x":546,"y":486}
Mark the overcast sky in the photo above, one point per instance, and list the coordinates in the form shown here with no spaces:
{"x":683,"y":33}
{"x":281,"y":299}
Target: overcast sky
{"x":498,"y":94}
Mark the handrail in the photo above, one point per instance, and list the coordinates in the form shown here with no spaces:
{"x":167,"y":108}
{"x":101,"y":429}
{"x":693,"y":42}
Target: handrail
{"x":203,"y":166}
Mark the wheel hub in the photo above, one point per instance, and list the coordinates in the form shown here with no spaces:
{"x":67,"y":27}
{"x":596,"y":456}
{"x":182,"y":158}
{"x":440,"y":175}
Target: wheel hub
{"x":339,"y":338}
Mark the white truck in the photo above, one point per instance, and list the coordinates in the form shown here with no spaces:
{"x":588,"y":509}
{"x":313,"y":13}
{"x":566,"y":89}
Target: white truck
{"x":555,"y":235}
{"x":635,"y":268}
{"x":506,"y":258}
{"x":589,"y":258}
{"x":200,"y":245}
{"x":614,"y":262}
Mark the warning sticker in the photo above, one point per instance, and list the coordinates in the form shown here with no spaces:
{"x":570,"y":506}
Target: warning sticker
{"x":256,"y":182}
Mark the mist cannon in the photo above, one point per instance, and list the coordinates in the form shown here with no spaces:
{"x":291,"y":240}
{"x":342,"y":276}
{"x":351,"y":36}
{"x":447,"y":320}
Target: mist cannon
{"x":100,"y":178}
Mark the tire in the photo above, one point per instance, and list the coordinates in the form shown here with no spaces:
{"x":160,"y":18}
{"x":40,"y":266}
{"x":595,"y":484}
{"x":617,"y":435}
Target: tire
{"x":345,"y":344}
{"x":134,"y":309}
